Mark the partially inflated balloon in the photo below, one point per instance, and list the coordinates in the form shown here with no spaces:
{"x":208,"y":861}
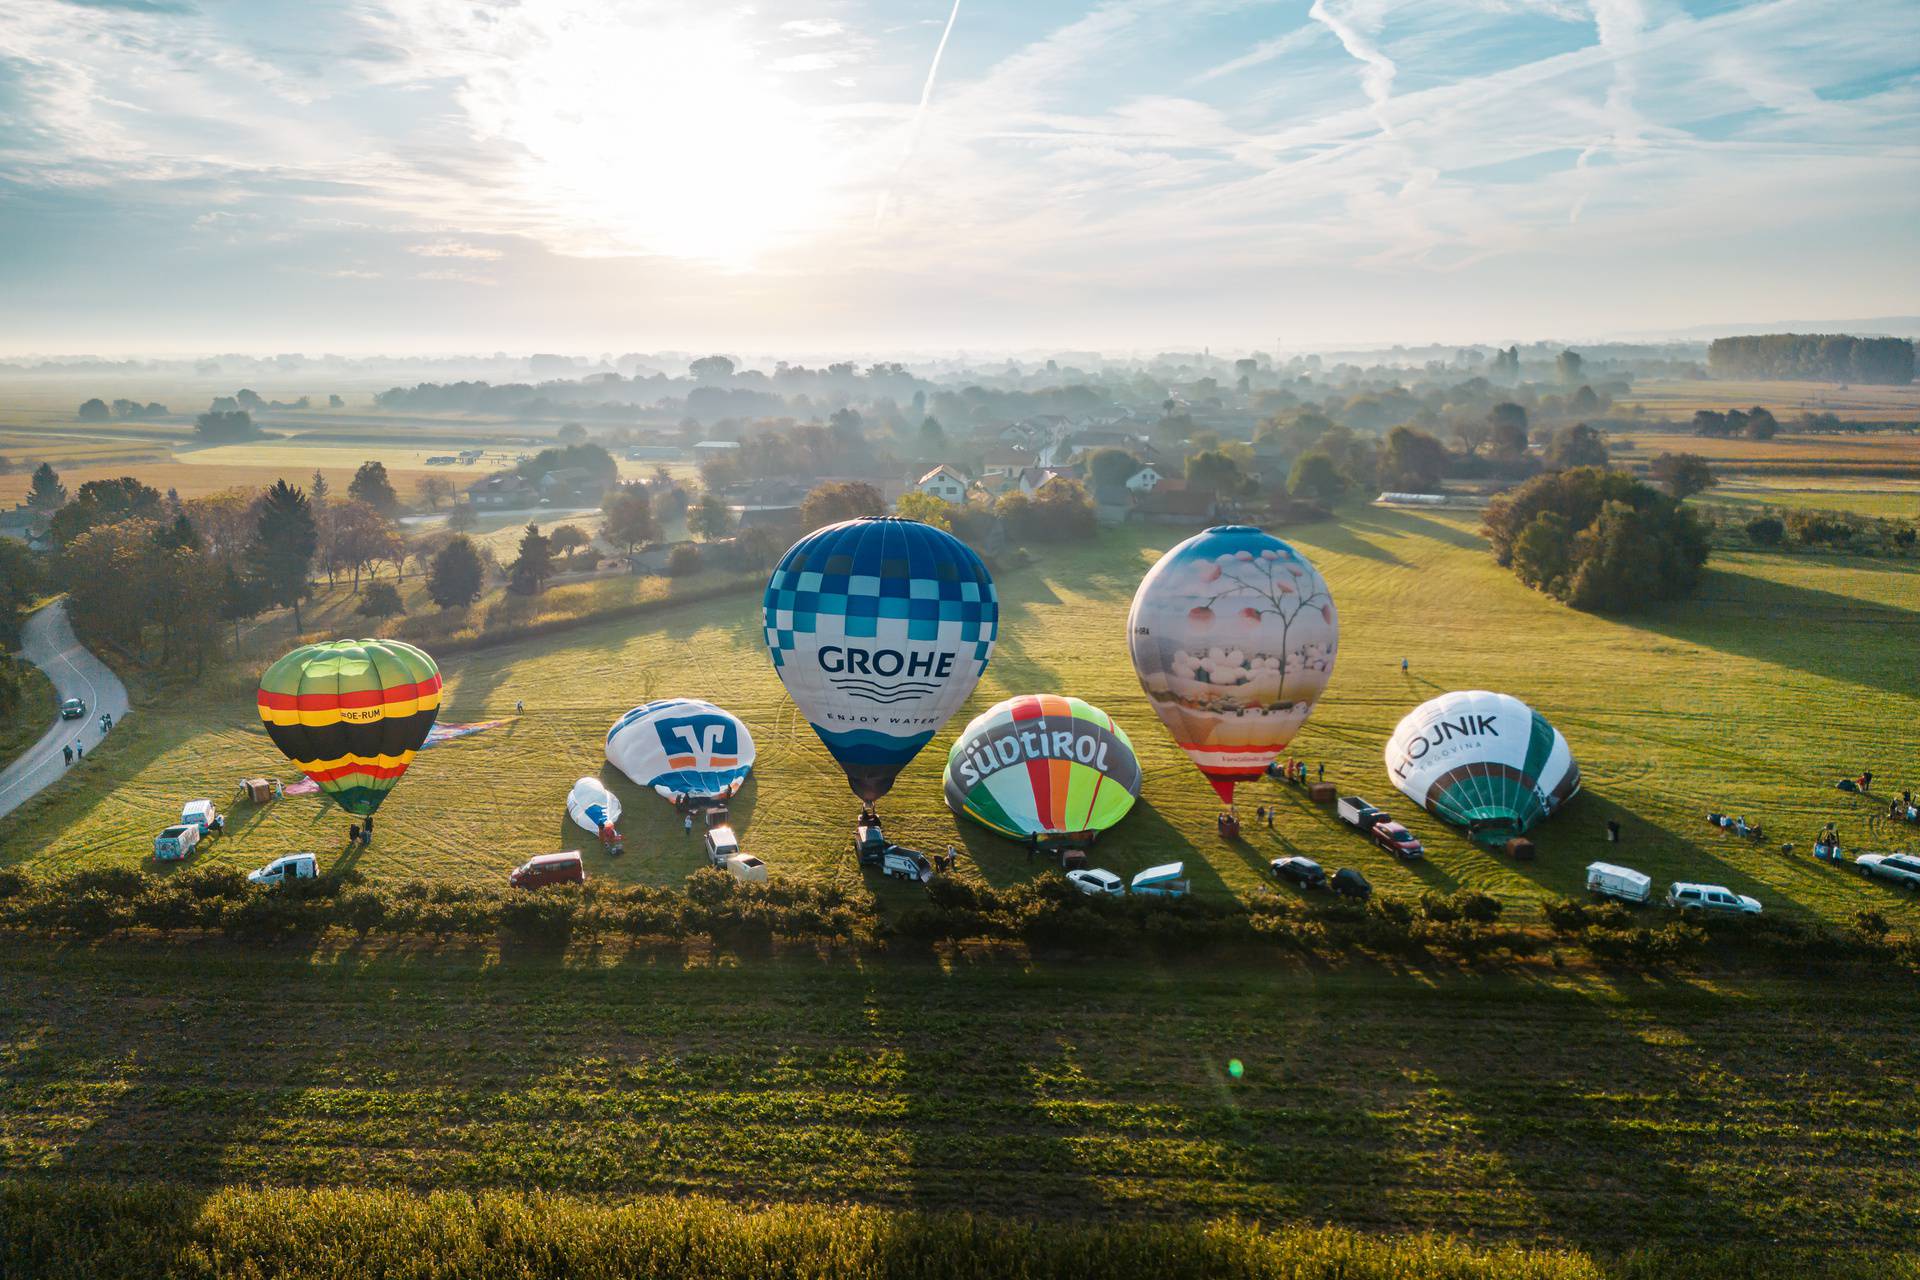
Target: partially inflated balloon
{"x":1484,"y":761}
{"x":592,"y":806}
{"x":1042,"y":765}
{"x":683,"y":748}
{"x":1233,"y":635}
{"x":350,"y":714}
{"x":879,"y":628}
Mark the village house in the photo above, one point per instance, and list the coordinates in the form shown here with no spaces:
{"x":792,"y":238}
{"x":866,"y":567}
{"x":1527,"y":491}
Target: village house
{"x":946,"y":483}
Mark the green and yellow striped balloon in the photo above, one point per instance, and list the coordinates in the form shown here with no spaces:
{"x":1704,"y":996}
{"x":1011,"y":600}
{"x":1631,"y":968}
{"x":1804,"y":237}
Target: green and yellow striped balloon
{"x":1043,"y":765}
{"x":351,"y":714}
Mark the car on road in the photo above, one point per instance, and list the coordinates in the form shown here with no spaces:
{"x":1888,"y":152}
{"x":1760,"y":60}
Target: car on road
{"x":1349,"y":883}
{"x":1095,"y":881}
{"x":1396,"y":839}
{"x":72,"y":709}
{"x":1902,"y":869}
{"x":549,"y":868}
{"x":1304,"y":872}
{"x":1710,"y":897}
{"x":295,"y":866}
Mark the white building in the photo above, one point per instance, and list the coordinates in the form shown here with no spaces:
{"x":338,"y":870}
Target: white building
{"x":1145,"y":480}
{"x":944,"y":483}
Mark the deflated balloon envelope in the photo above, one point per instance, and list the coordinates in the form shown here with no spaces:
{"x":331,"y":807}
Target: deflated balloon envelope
{"x":879,"y":628}
{"x":351,"y":714}
{"x":683,"y":748}
{"x":1041,"y":765}
{"x":1484,"y":761}
{"x":1233,"y":634}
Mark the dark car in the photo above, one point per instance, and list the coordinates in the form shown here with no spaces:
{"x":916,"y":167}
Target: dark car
{"x":1349,"y":883}
{"x":1304,"y":872}
{"x":72,"y":709}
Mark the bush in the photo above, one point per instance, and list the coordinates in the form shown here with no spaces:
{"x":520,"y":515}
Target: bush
{"x":1767,"y":531}
{"x":1598,"y":540}
{"x":683,"y":560}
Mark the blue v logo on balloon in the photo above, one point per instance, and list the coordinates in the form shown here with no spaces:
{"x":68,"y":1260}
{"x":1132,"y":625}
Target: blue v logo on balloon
{"x":880,"y":628}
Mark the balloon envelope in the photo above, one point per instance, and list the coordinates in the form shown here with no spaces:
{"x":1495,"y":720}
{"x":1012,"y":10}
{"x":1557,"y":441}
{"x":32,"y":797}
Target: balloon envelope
{"x":879,"y":628}
{"x":350,"y":714}
{"x":683,"y":748}
{"x":592,"y":806}
{"x":1041,"y":765}
{"x":1233,"y":635}
{"x":1484,"y":761}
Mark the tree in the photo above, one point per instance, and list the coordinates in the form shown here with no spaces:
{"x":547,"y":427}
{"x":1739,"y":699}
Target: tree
{"x":284,"y":543}
{"x":1542,"y":552}
{"x":1576,"y":446}
{"x":1767,"y":531}
{"x":528,"y":574}
{"x":1585,"y":400}
{"x":1315,"y":475}
{"x":925,"y":508}
{"x":249,"y":400}
{"x":457,"y":575}
{"x":709,"y":518}
{"x":1568,"y":365}
{"x":933,"y":440}
{"x":627,"y":517}
{"x":382,"y":600}
{"x":571,"y":433}
{"x":1111,"y":468}
{"x":567,"y":539}
{"x":320,"y":489}
{"x":711,"y":369}
{"x":1597,"y":539}
{"x":371,"y":486}
{"x":1413,"y":461}
{"x":462,"y":518}
{"x":841,"y":500}
{"x":240,"y":599}
{"x":1507,"y":430}
{"x":46,"y":493}
{"x":94,"y":410}
{"x":1472,"y":434}
{"x":1214,"y":469}
{"x":104,"y":502}
{"x":353,"y":535}
{"x":1761,"y":424}
{"x":1684,"y":474}
{"x":335,"y":402}
{"x":433,"y":490}
{"x":219,"y":427}
{"x":1062,"y":509}
{"x":1709,"y":422}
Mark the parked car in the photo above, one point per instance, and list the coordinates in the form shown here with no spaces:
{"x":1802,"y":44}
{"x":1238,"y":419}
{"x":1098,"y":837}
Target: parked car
{"x":1304,"y":872}
{"x":1349,"y":883}
{"x":202,"y":814}
{"x":549,"y":868}
{"x":1357,"y":813}
{"x":905,"y":864}
{"x":1624,"y":883}
{"x":1396,"y":839}
{"x":721,"y":845}
{"x":1711,"y":897}
{"x":295,"y":866}
{"x":176,"y":842}
{"x":1902,"y":869}
{"x":72,"y":709}
{"x":1168,"y":880}
{"x":1095,"y":881}
{"x":746,"y":867}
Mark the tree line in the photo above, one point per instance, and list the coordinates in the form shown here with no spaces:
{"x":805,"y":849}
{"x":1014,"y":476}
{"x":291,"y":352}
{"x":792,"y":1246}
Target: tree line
{"x":1820,"y":357}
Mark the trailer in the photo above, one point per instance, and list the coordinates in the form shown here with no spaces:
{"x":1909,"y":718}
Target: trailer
{"x":1358,"y":813}
{"x":1624,"y":883}
{"x":1168,"y":880}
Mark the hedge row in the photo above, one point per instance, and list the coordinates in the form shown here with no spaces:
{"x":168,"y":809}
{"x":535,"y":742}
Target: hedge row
{"x":105,"y":1232}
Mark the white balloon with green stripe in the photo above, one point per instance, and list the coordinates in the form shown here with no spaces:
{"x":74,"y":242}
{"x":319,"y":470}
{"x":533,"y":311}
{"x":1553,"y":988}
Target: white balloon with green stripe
{"x":1484,"y":761}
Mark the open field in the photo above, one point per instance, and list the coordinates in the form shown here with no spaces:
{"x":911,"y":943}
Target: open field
{"x":1678,"y":399}
{"x":1783,"y":674}
{"x":1569,"y":1110}
{"x":1859,"y":453}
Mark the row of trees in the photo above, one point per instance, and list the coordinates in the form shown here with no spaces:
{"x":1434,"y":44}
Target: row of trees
{"x":1823,"y":357}
{"x":1757,"y":423}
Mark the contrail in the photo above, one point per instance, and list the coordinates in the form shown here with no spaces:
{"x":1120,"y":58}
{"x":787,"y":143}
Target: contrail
{"x":919,"y":116}
{"x":1377,"y":79}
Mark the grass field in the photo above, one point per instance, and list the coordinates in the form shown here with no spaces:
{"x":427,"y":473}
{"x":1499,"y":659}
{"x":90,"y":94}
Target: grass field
{"x":1679,"y":399}
{"x":1783,"y":674}
{"x":1569,"y":1109}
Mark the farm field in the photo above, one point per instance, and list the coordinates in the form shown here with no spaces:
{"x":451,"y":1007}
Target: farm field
{"x":1570,"y":1109}
{"x":1783,"y":674}
{"x":1678,"y":399}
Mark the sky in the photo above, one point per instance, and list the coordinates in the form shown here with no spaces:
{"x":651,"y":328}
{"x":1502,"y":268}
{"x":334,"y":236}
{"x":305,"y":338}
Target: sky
{"x":359,"y":176}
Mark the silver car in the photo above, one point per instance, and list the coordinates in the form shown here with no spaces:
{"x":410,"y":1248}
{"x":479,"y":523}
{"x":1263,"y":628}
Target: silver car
{"x":1902,"y":869}
{"x":1711,"y":897}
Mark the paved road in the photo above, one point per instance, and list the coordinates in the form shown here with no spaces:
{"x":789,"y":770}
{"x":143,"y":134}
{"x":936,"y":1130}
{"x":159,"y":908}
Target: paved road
{"x":48,"y":642}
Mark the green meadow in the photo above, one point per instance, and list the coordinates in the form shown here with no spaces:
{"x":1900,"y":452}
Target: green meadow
{"x":1784,"y":673}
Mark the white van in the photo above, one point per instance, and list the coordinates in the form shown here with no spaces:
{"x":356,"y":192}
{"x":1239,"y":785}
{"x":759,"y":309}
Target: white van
{"x":295,"y":866}
{"x":1624,"y":883}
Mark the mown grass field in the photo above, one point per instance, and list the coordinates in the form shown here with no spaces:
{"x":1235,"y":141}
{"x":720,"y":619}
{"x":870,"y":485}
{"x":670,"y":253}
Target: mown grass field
{"x":1568,"y":1109}
{"x":1784,"y":673}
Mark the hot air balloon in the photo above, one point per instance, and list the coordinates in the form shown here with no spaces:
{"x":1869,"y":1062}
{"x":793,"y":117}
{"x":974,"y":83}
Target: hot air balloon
{"x":592,"y":806}
{"x":879,"y":628}
{"x":350,"y":714}
{"x":1233,"y":635}
{"x":1041,"y":765}
{"x":1484,"y":761}
{"x":683,"y":748}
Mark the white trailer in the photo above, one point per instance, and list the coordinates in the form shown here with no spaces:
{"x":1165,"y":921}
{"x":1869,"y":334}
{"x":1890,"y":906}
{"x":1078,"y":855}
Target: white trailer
{"x":1624,"y":883}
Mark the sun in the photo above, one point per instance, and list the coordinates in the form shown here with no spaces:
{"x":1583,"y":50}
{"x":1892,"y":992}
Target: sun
{"x":663,"y":138}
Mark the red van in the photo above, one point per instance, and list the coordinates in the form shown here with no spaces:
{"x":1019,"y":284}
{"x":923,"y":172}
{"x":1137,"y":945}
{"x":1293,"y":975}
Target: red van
{"x":549,"y":868}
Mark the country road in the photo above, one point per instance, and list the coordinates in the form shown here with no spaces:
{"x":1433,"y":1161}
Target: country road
{"x":48,"y":642}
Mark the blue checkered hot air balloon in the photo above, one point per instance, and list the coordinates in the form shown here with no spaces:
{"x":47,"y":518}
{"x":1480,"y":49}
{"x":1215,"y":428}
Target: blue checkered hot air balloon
{"x":880,"y":628}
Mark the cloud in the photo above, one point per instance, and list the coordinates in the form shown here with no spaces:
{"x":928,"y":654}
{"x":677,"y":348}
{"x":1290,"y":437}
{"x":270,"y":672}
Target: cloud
{"x":1354,"y":24}
{"x":1261,"y":54}
{"x":812,"y":28}
{"x":455,"y":276}
{"x":453,"y":249}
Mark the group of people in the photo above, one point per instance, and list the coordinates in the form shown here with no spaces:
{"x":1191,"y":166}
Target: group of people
{"x":1294,"y":771}
{"x":1737,"y":825}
